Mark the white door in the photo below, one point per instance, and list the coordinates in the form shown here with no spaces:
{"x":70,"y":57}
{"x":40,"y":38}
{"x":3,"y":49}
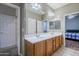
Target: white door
{"x":7,"y":31}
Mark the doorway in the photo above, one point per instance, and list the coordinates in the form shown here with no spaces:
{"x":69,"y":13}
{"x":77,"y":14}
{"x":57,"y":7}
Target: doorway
{"x":9,"y":30}
{"x":72,"y":31}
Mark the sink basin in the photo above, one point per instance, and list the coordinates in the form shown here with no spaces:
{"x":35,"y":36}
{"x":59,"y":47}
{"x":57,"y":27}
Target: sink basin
{"x":34,"y":37}
{"x":38,"y":36}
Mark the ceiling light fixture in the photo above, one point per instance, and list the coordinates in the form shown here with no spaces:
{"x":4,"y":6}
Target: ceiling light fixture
{"x":36,"y":6}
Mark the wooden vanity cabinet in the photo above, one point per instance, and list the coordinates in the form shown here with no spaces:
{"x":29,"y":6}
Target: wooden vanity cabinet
{"x":49,"y":46}
{"x":42,"y":48}
{"x":53,"y":44}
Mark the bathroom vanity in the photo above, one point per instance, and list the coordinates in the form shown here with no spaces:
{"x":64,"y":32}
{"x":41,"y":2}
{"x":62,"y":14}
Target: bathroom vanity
{"x":42,"y":45}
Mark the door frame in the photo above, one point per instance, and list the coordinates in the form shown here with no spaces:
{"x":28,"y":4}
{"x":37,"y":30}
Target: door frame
{"x":18,"y":23}
{"x":65,"y":23}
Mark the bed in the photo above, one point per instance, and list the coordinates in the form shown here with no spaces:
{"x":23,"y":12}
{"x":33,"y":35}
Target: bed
{"x":72,"y":34}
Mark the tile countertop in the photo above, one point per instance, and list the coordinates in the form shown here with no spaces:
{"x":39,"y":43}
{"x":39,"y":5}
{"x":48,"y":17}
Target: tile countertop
{"x":40,"y":37}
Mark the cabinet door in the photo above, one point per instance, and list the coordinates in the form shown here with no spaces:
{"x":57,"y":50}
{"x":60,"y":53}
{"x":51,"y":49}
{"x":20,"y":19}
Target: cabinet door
{"x":29,"y":49}
{"x":61,"y":39}
{"x":57,"y":42}
{"x":54,"y":47}
{"x":40,"y":48}
{"x":49,"y":46}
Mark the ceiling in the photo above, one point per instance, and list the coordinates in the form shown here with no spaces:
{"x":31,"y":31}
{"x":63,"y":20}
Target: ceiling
{"x":39,"y":11}
{"x":57,"y":5}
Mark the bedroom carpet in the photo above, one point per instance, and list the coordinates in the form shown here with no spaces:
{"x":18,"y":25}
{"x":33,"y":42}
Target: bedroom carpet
{"x":72,"y":44}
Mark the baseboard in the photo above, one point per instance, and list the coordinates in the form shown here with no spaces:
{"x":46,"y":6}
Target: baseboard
{"x":20,"y":54}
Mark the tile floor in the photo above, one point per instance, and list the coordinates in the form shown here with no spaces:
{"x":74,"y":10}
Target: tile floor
{"x":9,"y":51}
{"x":64,"y":51}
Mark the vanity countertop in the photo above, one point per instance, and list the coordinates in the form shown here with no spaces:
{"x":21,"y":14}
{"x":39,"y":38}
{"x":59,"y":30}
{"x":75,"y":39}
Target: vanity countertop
{"x":40,"y":37}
